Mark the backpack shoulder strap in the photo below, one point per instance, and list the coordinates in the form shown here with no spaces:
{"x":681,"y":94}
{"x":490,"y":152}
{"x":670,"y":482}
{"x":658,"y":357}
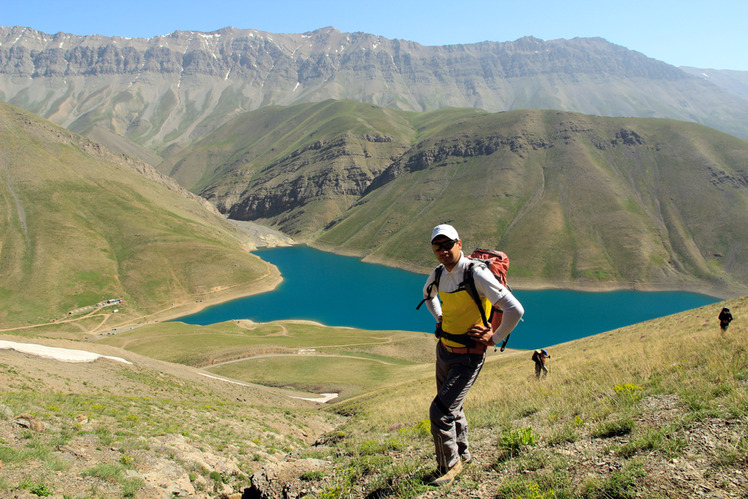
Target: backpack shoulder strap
{"x":469,"y":281}
{"x":435,"y":283}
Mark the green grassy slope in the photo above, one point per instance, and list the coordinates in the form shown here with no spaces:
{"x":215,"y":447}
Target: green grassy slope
{"x":575,"y":200}
{"x":300,"y":167}
{"x":79,"y":225}
{"x":297,"y":355}
{"x":266,"y":137}
{"x":657,"y":409}
{"x":139,"y":429}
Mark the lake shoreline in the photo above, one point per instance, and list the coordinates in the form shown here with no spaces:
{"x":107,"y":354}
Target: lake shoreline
{"x":521,"y":284}
{"x":517,"y":284}
{"x":553,"y":311}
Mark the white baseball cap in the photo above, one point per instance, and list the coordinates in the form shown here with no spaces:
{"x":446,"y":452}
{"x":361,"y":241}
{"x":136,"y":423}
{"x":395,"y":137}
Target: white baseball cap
{"x":445,"y":230}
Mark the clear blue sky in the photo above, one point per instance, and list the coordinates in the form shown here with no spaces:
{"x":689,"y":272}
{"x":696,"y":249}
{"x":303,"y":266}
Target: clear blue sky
{"x":704,"y":34}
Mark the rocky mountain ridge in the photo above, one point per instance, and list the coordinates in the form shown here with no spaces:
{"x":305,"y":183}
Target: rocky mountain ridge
{"x":35,"y":54}
{"x":735,"y":82}
{"x":169,"y":90}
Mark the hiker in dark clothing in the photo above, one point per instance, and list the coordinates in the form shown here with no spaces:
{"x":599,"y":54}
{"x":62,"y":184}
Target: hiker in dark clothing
{"x":539,"y":357}
{"x":725,"y":317}
{"x":461,"y":349}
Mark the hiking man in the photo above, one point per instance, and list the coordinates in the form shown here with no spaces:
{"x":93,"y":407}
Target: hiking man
{"x":539,"y":357}
{"x":725,"y":317}
{"x":463,"y":339}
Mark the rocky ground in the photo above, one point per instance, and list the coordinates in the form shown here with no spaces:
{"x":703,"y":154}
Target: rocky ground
{"x":162,"y":473}
{"x":102,"y":426}
{"x":193,"y":436}
{"x":699,"y":470}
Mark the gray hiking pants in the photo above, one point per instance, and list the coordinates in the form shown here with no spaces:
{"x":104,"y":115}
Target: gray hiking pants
{"x":455,"y":375}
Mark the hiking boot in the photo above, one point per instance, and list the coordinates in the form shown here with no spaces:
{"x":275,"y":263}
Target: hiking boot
{"x":448,"y":477}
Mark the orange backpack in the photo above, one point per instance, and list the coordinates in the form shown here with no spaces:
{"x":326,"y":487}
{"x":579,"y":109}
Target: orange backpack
{"x":498,"y":263}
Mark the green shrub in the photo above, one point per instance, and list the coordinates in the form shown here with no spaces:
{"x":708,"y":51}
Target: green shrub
{"x":423,"y":427}
{"x":310,"y":476}
{"x":628,"y":394}
{"x":658,"y":439}
{"x":105,"y":471}
{"x":618,"y":485}
{"x":373,"y":447}
{"x":41,"y":489}
{"x":520,"y":488}
{"x":561,"y":435}
{"x":515,"y":440}
{"x":131,"y":486}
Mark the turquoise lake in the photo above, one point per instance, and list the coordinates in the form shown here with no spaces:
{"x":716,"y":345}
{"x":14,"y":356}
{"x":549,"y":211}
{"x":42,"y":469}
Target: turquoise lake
{"x":344,"y":291}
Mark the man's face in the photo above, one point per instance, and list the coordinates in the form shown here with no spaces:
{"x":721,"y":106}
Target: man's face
{"x":448,"y":256}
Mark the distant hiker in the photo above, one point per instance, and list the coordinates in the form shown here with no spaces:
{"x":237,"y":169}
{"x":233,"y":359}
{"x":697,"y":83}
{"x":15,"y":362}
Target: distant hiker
{"x":463,"y":339}
{"x":540,"y":357}
{"x":725,"y":317}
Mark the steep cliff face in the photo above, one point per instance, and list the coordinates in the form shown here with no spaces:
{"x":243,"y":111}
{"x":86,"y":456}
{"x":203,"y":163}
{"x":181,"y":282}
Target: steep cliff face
{"x":343,"y":170}
{"x":305,"y":164}
{"x":312,"y":56}
{"x":172,"y":89}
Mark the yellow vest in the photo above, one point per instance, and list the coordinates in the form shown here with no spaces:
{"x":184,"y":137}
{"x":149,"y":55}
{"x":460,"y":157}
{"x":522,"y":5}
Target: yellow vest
{"x":460,"y":313}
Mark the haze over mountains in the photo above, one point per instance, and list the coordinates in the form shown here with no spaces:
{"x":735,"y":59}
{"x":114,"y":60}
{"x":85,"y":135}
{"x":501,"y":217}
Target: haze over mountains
{"x":170,"y":90}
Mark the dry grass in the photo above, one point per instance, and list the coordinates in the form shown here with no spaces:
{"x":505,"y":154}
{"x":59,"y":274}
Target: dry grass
{"x":622,"y":414}
{"x":615,"y":398}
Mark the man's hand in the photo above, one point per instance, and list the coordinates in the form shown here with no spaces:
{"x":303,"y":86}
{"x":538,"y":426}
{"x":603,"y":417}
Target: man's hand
{"x":481,"y":334}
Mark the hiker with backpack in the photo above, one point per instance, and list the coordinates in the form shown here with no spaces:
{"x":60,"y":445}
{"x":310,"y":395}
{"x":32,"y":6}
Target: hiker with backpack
{"x":453,"y":293}
{"x":725,"y":318}
{"x":540,"y":358}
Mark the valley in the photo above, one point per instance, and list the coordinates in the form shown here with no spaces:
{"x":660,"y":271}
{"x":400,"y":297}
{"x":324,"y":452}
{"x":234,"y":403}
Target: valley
{"x":139,"y":177}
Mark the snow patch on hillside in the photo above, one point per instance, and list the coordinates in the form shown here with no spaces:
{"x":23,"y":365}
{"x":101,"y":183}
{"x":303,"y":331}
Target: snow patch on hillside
{"x":61,"y":354}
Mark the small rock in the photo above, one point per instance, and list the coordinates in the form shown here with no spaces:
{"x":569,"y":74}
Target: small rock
{"x":30,"y":422}
{"x":70,"y":450}
{"x":282,"y":479}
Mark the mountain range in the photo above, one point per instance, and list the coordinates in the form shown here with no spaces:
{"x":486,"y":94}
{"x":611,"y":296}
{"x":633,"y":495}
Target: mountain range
{"x":578,"y":200}
{"x":256,"y":124}
{"x":243,"y":124}
{"x":164,"y":92}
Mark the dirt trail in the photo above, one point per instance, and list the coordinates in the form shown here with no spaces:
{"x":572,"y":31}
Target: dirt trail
{"x":297,"y":354}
